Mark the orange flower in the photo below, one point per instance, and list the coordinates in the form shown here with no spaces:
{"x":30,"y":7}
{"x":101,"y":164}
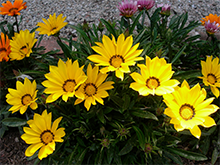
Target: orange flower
{"x":212,"y":19}
{"x":5,"y":47}
{"x":12,"y":9}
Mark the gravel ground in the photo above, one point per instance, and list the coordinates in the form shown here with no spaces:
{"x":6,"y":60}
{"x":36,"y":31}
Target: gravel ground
{"x":76,"y":11}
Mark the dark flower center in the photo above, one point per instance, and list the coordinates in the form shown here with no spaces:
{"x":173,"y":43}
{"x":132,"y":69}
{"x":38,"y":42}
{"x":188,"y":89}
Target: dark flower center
{"x":211,"y":78}
{"x":187,"y":111}
{"x":152,"y":83}
{"x":116,"y":61}
{"x":69,"y":85}
{"x":26,"y":99}
{"x":47,"y":137}
{"x":90,"y":89}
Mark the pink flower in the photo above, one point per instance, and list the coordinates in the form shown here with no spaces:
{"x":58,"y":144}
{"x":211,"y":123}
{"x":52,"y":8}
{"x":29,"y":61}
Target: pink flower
{"x":128,"y":8}
{"x":212,"y":28}
{"x":145,"y":4}
{"x":165,"y":9}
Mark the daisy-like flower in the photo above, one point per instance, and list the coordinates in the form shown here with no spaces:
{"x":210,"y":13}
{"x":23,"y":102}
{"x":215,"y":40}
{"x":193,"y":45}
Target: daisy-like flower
{"x":116,"y":56}
{"x":41,"y":135}
{"x":5,"y":47}
{"x":23,"y":96}
{"x":188,"y":108}
{"x":53,"y":25}
{"x":211,"y":23}
{"x":12,"y":9}
{"x":128,"y":8}
{"x":155,"y":78}
{"x":145,"y":4}
{"x":21,"y":45}
{"x":63,"y":80}
{"x":211,"y":74}
{"x":165,"y":9}
{"x":93,"y":89}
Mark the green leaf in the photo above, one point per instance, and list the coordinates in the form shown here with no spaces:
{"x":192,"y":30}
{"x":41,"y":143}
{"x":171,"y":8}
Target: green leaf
{"x":140,"y":135}
{"x":181,"y":75}
{"x":144,"y":114}
{"x":80,"y":141}
{"x":214,"y":156}
{"x":110,"y":154}
{"x":187,"y":154}
{"x":179,"y":53}
{"x":126,"y":149}
{"x":109,"y":27}
{"x":81,"y":157}
{"x":2,"y":130}
{"x":117,"y":100}
{"x":101,"y":115}
{"x":65,"y":49}
{"x":175,"y":158}
{"x":135,"y":22}
{"x":14,"y":122}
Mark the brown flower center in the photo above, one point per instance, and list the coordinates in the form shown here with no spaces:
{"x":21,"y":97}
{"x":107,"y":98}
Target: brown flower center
{"x":53,"y":29}
{"x":24,"y":50}
{"x":116,"y":61}
{"x":3,"y":51}
{"x":47,"y":137}
{"x":69,"y":85}
{"x":186,"y":112}
{"x":90,"y":89}
{"x":26,"y":99}
{"x":152,"y":83}
{"x":211,"y":78}
{"x":13,"y":10}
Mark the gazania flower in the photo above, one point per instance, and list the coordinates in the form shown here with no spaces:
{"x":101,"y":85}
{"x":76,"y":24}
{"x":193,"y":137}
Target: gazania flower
{"x":41,"y":135}
{"x":165,"y":9}
{"x":116,"y":56}
{"x":5,"y":47}
{"x":21,"y":45}
{"x":211,"y":74}
{"x":93,"y":89}
{"x":211,"y":23}
{"x":128,"y":8}
{"x":145,"y":4}
{"x":188,"y":108}
{"x":12,"y":9}
{"x":63,"y":80}
{"x":154,"y":78}
{"x":23,"y":96}
{"x":51,"y":26}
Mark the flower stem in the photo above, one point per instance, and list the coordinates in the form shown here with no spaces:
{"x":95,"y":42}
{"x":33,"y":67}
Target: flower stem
{"x":16,"y":22}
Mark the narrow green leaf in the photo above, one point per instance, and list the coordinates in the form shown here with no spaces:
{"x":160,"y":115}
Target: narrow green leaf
{"x":144,"y":114}
{"x":65,"y":49}
{"x":2,"y":130}
{"x":80,"y":141}
{"x":14,"y":122}
{"x":181,"y":75}
{"x":187,"y":154}
{"x":179,"y":53}
{"x":117,"y":100}
{"x":140,"y":135}
{"x":81,"y":157}
{"x":214,"y":156}
{"x":109,"y":27}
{"x":175,"y":158}
{"x":110,"y":154}
{"x":126,"y":149}
{"x":135,"y":22}
{"x":139,"y":36}
{"x":101,"y":115}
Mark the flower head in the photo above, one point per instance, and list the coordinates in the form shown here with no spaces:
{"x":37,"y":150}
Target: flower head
{"x":116,"y":56}
{"x":23,"y":96}
{"x":154,"y":78}
{"x":188,"y":108}
{"x":5,"y":47}
{"x":41,"y":135}
{"x":211,"y":74}
{"x":93,"y":89}
{"x":128,"y":8}
{"x":145,"y":4}
{"x":51,"y":26}
{"x":12,"y":9}
{"x":211,"y":23}
{"x":63,"y":80}
{"x":165,"y":9}
{"x":21,"y":45}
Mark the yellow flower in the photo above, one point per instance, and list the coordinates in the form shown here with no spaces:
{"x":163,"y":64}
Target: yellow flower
{"x":23,"y":96}
{"x":154,"y":78}
{"x":188,"y":108}
{"x":41,"y":135}
{"x":116,"y":56}
{"x":21,"y":45}
{"x":52,"y":25}
{"x":12,"y":9}
{"x":93,"y":89}
{"x":63,"y":80}
{"x":211,"y":74}
{"x":5,"y":47}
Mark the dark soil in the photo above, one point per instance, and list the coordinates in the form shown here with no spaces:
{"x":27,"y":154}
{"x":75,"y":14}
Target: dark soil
{"x":12,"y":149}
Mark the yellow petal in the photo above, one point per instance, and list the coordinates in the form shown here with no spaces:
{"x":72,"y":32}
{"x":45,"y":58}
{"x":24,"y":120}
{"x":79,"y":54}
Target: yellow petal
{"x":195,"y":131}
{"x":209,"y":122}
{"x":32,"y":149}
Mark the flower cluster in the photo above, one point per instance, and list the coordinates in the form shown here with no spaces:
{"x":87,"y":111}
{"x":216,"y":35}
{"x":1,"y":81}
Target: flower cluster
{"x":211,"y":23}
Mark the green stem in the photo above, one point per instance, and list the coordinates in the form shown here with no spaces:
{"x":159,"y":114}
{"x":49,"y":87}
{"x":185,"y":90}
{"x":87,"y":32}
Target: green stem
{"x":16,"y":22}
